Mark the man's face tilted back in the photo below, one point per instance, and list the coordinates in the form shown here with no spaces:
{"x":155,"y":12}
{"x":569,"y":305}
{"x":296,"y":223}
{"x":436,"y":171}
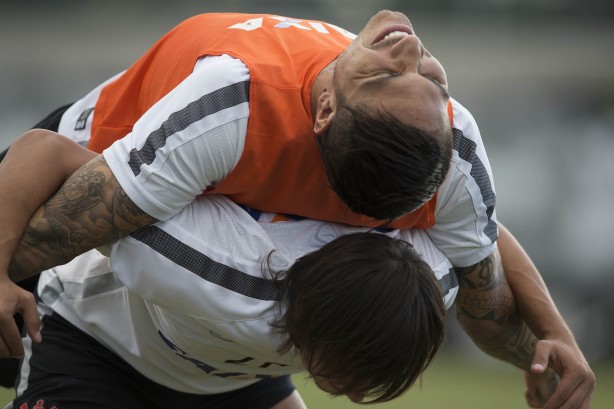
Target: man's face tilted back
{"x":382,"y":122}
{"x":387,"y":67}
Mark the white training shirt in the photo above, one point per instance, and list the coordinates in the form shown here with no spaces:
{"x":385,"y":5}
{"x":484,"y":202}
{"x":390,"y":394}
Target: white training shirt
{"x":203,"y":153}
{"x":186,"y":302}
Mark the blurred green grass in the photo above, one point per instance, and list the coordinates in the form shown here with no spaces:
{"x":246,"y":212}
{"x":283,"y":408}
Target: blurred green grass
{"x":471,"y":381}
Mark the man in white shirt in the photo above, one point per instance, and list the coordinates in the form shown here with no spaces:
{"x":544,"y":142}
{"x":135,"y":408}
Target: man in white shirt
{"x":211,"y":301}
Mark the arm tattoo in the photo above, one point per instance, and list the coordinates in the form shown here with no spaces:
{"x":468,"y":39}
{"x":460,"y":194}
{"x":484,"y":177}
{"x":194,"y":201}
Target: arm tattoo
{"x":89,"y":210}
{"x":486,"y":310}
{"x":478,"y":276}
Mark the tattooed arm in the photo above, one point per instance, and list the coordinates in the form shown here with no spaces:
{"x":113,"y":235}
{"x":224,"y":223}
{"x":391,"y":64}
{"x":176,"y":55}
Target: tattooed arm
{"x":89,"y":210}
{"x":557,"y":348}
{"x":487,"y":311}
{"x":35,"y":166}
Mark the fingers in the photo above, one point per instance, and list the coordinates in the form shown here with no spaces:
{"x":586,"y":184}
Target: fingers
{"x":577,"y":381}
{"x":577,"y":401}
{"x":14,"y":300}
{"x":31,"y":319}
{"x":573,"y":396}
{"x":540,"y":387}
{"x":532,"y":400}
{"x":567,"y":393}
{"x":587,"y":402}
{"x":541,"y":358}
{"x":10,"y":339}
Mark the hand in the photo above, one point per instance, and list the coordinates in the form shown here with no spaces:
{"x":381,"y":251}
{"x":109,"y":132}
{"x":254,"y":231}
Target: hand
{"x":577,"y":381}
{"x":16,"y":300}
{"x":540,"y":387}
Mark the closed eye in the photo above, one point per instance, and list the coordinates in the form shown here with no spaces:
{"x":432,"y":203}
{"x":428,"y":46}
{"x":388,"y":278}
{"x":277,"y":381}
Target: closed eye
{"x":387,"y":73}
{"x":443,"y":89}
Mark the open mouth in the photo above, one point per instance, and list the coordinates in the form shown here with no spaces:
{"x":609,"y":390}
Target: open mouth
{"x":394,"y":32}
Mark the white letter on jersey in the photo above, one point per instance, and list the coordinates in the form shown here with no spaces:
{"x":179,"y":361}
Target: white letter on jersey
{"x":288,"y":22}
{"x":343,"y":31}
{"x":249,"y":25}
{"x":319,"y":27}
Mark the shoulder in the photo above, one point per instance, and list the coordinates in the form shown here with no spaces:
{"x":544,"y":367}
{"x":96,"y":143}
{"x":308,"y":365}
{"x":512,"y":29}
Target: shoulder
{"x":468,"y":141}
{"x":222,"y":65}
{"x":223,"y":74}
{"x":463,"y":118}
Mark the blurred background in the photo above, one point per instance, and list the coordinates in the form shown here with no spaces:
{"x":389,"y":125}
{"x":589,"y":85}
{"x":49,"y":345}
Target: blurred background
{"x":538,"y":76}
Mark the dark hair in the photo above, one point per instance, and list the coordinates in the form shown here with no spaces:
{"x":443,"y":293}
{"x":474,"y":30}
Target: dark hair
{"x":380,"y":166}
{"x":366,"y":314}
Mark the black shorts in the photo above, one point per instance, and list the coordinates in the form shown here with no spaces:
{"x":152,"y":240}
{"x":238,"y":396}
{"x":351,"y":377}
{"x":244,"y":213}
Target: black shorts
{"x":71,"y":370}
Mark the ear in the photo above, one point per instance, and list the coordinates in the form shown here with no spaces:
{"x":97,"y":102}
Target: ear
{"x":325,"y":112}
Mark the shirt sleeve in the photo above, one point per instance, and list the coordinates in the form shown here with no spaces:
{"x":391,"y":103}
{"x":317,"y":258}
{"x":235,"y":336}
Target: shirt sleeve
{"x":434,"y":257}
{"x":465,"y":226}
{"x":189,"y":140}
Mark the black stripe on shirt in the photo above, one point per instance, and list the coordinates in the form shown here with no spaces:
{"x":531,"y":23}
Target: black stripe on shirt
{"x":195,"y":111}
{"x":223,"y":275}
{"x":448,"y":282}
{"x":206,"y":268}
{"x":466,"y":151}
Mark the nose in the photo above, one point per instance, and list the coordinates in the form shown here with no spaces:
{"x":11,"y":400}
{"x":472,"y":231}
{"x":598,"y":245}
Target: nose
{"x":410,"y":54}
{"x":409,"y":51}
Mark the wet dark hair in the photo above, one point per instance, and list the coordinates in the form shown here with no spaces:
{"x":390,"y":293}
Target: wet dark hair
{"x":380,"y":166}
{"x":366,"y":314}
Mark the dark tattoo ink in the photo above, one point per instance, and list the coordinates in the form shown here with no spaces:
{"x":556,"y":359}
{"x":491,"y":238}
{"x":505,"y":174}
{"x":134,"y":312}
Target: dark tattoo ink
{"x":89,"y":210}
{"x":485,"y":308}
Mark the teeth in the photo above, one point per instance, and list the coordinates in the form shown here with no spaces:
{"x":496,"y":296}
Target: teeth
{"x":396,"y":34}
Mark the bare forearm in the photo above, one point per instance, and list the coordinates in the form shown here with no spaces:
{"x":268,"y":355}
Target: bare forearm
{"x":36,"y":165}
{"x":487,"y":312}
{"x":533,"y":300}
{"x":90,"y":210}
